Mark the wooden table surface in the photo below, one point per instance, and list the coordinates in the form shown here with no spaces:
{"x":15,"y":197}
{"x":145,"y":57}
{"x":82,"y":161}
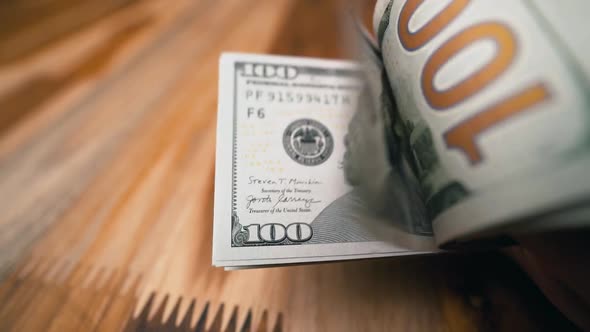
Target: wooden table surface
{"x":107,"y":140}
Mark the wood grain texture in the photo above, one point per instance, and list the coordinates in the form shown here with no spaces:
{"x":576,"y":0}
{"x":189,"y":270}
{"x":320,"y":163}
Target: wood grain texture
{"x":107,"y":140}
{"x":51,"y":295}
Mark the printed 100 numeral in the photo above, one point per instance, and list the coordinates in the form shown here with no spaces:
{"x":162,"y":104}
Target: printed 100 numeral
{"x":275,"y":233}
{"x":463,"y":135}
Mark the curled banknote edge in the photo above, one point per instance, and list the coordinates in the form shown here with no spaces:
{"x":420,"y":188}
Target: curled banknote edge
{"x":378,"y":159}
{"x":494,"y":99}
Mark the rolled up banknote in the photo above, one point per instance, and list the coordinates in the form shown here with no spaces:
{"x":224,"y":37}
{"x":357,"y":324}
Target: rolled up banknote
{"x":494,"y":97}
{"x":465,"y":120}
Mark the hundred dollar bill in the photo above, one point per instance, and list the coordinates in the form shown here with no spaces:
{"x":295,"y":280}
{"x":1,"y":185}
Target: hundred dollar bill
{"x":495,"y":100}
{"x":281,"y":195}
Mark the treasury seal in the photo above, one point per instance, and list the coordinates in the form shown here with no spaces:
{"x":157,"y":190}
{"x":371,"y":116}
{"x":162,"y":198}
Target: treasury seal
{"x":308,"y":142}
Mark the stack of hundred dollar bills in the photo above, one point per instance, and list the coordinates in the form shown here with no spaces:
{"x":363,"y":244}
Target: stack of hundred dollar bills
{"x":463,"y":122}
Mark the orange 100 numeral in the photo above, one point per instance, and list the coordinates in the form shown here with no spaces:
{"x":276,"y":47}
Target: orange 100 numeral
{"x":463,"y":136}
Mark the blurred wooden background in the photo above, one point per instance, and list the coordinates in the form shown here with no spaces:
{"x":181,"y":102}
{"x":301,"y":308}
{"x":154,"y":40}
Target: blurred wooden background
{"x":107,"y":136}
